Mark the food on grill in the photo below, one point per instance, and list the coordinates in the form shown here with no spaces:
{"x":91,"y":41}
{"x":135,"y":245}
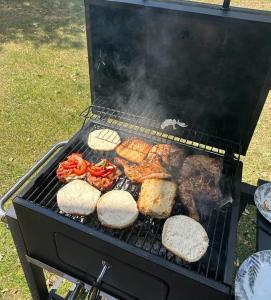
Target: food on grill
{"x":157,"y":198}
{"x":75,"y":167}
{"x":170,"y":155}
{"x":147,"y":169}
{"x":103,"y":140}
{"x":185,"y":238}
{"x":133,"y":149}
{"x":103,"y":175}
{"x":117,"y":209}
{"x":78,"y":198}
{"x":199,"y":179}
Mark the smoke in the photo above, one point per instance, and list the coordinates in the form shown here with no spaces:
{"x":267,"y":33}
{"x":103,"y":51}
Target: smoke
{"x":166,"y":66}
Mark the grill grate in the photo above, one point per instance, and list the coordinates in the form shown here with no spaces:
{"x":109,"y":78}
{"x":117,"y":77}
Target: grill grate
{"x":145,"y":233}
{"x":147,"y":125}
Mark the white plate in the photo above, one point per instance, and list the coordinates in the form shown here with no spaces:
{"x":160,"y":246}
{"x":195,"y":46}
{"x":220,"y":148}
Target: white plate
{"x":253,"y":279}
{"x":262,"y":199}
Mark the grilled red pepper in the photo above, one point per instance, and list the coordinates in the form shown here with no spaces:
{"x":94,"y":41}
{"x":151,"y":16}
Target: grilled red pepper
{"x":75,"y":165}
{"x":102,"y":169}
{"x":81,"y":168}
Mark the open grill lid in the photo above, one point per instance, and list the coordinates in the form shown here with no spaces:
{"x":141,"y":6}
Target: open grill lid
{"x":198,"y":64}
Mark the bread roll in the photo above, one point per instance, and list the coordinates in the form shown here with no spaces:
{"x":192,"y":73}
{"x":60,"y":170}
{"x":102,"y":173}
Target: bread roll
{"x":103,"y":140}
{"x":117,"y":209}
{"x":185,"y":237}
{"x":78,"y":198}
{"x":156,"y":198}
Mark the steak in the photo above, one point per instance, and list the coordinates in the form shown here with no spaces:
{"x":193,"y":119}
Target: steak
{"x":199,"y":179}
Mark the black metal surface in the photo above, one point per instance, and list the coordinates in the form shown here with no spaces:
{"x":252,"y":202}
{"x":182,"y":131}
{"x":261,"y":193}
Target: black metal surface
{"x":207,"y":67}
{"x":145,"y":234}
{"x":78,"y":250}
{"x":34,"y":275}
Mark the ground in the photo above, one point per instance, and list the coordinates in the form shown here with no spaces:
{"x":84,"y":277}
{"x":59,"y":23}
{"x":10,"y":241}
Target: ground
{"x":44,"y":86}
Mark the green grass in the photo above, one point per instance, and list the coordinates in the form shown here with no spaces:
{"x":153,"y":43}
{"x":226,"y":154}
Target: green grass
{"x":44,"y":85}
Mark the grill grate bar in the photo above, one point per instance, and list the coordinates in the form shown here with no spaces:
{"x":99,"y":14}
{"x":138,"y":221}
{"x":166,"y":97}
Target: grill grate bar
{"x":212,"y":244}
{"x":220,"y":248}
{"x":159,"y":227}
{"x":207,"y":230}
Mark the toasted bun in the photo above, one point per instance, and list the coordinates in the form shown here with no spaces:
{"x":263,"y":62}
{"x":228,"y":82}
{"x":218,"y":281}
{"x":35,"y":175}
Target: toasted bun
{"x":117,"y":209}
{"x":156,"y":198}
{"x":185,"y":238}
{"x":103,"y":140}
{"x":78,"y":198}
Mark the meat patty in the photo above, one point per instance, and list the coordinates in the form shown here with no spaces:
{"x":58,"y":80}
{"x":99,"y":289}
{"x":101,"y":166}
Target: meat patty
{"x":147,"y":169}
{"x":199,"y":178}
{"x":170,"y":155}
{"x":133,"y":149}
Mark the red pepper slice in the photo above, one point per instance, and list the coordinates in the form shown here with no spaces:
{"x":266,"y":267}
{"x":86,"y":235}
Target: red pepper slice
{"x":68,"y":166}
{"x":81,"y":168}
{"x":96,"y":173}
{"x":106,"y":173}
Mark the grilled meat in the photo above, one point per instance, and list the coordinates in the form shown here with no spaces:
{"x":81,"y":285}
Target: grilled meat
{"x":199,"y":179}
{"x":201,"y":164}
{"x":147,"y":169}
{"x":170,"y":155}
{"x":133,"y":149}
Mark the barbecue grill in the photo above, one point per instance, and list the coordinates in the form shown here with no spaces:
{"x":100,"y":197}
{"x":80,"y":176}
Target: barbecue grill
{"x":203,"y":69}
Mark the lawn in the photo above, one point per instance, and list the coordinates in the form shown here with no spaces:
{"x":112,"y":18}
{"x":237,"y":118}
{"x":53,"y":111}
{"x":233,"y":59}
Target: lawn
{"x":45,"y":86}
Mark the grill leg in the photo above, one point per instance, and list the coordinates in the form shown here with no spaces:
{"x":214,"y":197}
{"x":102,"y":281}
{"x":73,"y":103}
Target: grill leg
{"x":33,"y":274}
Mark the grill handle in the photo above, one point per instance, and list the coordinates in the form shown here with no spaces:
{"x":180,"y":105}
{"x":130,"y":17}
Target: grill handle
{"x":94,"y":292}
{"x":23,"y":179}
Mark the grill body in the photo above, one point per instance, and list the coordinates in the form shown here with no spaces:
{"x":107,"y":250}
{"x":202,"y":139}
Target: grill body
{"x":141,"y":267}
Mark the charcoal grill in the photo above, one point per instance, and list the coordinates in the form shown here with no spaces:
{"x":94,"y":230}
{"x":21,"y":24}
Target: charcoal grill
{"x":134,"y":89}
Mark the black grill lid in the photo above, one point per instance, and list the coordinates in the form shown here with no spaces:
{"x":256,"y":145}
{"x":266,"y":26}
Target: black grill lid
{"x":196,"y":64}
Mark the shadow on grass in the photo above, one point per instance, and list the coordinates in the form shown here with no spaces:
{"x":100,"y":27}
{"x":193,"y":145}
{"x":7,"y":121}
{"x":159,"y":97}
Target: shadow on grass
{"x":56,"y":22}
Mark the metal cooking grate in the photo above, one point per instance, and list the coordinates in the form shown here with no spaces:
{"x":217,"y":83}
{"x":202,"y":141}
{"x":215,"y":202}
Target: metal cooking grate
{"x":145,"y":232}
{"x":146,"y":124}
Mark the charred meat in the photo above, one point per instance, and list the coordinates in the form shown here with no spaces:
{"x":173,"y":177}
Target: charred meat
{"x":199,"y":179}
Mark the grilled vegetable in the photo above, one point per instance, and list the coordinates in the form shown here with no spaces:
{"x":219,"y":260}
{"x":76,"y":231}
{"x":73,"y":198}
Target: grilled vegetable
{"x":73,"y":168}
{"x":103,"y":175}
